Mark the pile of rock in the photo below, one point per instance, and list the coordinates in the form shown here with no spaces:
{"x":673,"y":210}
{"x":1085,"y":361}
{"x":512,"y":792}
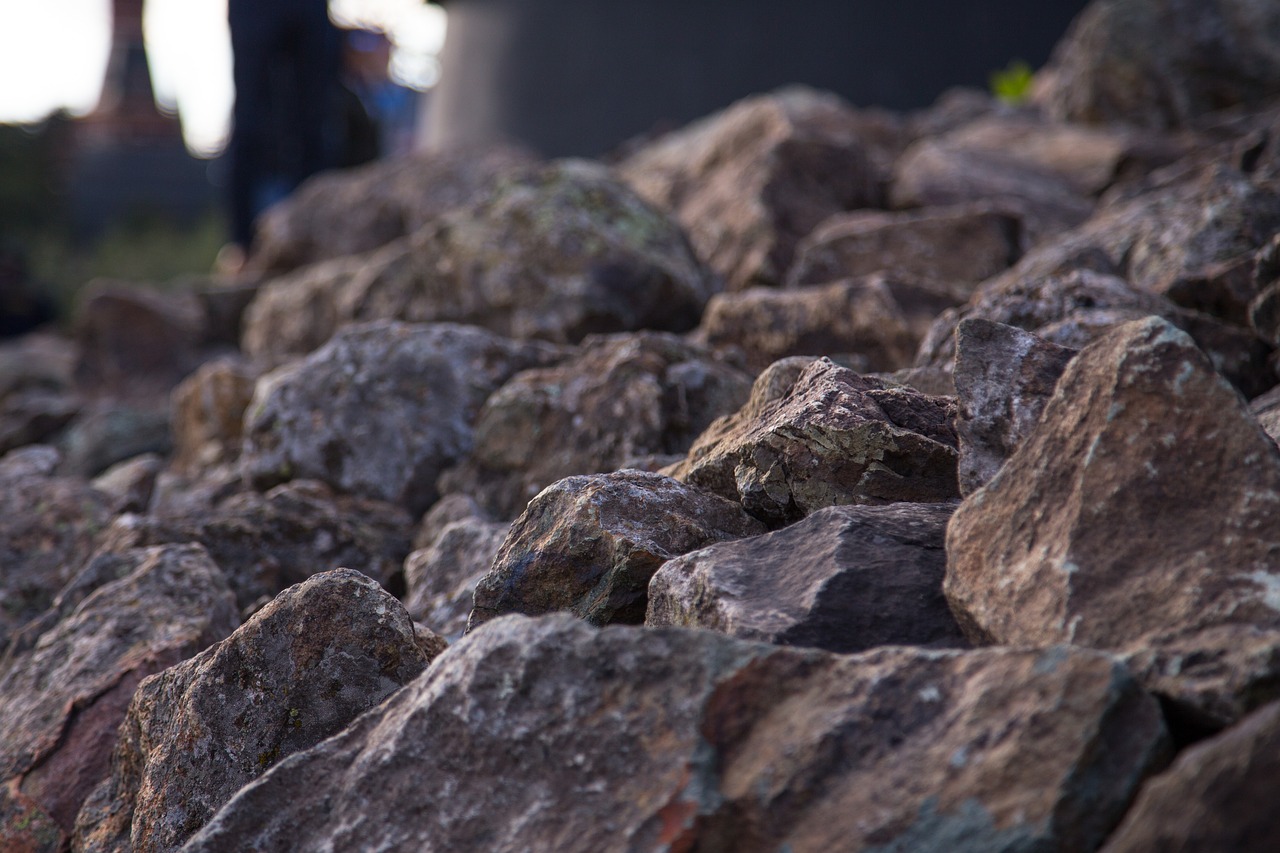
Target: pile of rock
{"x":813,"y":479}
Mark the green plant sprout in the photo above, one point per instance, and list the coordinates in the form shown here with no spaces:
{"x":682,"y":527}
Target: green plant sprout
{"x":1012,"y":84}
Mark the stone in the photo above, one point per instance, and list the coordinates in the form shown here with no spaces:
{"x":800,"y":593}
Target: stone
{"x":63,"y":699}
{"x":207,"y":414}
{"x":617,"y":398}
{"x":956,"y":246}
{"x":1264,"y":310}
{"x":380,"y":410}
{"x":302,"y":669}
{"x":589,"y":545}
{"x":440,"y":579}
{"x":1164,"y":63}
{"x":111,"y":430}
{"x":1216,"y":796}
{"x":1004,"y":377}
{"x":47,"y":528}
{"x":834,"y":437}
{"x":37,"y":393}
{"x":130,"y":484}
{"x":295,"y":313}
{"x":265,"y":543}
{"x":750,"y":181}
{"x":348,"y":212}
{"x":845,"y":579}
{"x":1142,"y":509}
{"x":680,"y":740}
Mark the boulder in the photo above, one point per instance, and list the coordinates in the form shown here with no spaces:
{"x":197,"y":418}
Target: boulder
{"x":63,"y":698}
{"x":845,"y":579}
{"x":299,"y":671}
{"x":1143,"y":509}
{"x":589,"y":545}
{"x":129,"y":484}
{"x":380,"y":410}
{"x":750,"y":181}
{"x":207,"y":414}
{"x":617,"y":398}
{"x":440,"y":579}
{"x":834,"y":437}
{"x":111,"y":430}
{"x":1004,"y":377}
{"x":682,"y":740}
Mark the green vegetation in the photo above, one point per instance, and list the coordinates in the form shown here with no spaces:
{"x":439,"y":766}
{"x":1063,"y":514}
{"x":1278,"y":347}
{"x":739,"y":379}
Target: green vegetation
{"x":1012,"y":85}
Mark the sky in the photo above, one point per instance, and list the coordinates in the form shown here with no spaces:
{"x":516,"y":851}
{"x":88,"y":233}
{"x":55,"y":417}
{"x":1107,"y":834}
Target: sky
{"x":53,"y":54}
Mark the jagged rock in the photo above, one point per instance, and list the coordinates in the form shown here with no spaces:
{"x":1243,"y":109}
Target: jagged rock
{"x":130,"y":484}
{"x":299,"y":671}
{"x":63,"y":698}
{"x":1143,"y":509}
{"x":1163,"y":63}
{"x":37,"y":396}
{"x":879,"y":319}
{"x":1216,"y":796}
{"x":750,"y":181}
{"x":440,"y":579}
{"x":670,"y":740}
{"x":960,"y":245}
{"x":1004,"y":377}
{"x":207,"y":414}
{"x":845,"y":579}
{"x":265,"y":543}
{"x":559,"y":254}
{"x":341,"y":213}
{"x":617,"y":398}
{"x":47,"y":529}
{"x":112,"y":430}
{"x":381,"y":409}
{"x":834,"y":437}
{"x":589,"y":545}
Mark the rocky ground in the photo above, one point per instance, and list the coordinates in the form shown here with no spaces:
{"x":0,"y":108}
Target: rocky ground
{"x":813,"y":478}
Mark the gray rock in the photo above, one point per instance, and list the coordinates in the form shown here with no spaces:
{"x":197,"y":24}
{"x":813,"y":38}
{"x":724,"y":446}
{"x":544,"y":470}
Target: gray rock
{"x":37,"y":395}
{"x":112,"y":430}
{"x":440,"y":579}
{"x":130,"y":484}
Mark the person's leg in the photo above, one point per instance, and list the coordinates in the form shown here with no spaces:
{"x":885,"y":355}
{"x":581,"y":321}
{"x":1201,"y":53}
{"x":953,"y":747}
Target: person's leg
{"x":317,"y":107}
{"x":248,"y":150}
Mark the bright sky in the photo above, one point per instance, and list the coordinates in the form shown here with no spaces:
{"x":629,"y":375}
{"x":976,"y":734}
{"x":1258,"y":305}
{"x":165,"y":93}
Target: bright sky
{"x":53,"y":54}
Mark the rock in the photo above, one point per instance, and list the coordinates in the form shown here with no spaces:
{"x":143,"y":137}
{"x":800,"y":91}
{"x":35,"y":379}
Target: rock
{"x":47,"y":529}
{"x":1004,"y":377}
{"x":1163,"y":63}
{"x":295,"y":313}
{"x":1214,"y":797}
{"x":589,"y":545}
{"x":948,"y":245}
{"x":299,"y":671}
{"x":129,"y":484}
{"x":682,"y":740}
{"x":207,"y":413}
{"x":349,"y":212}
{"x":750,"y":181}
{"x":845,"y":579}
{"x":450,"y":508}
{"x":265,"y":543}
{"x":1264,"y":310}
{"x":112,"y":430}
{"x":380,"y":410}
{"x":63,"y":699}
{"x":1145,"y":503}
{"x":441,"y":578}
{"x":617,"y":398}
{"x":37,"y":395}
{"x":833,"y":438}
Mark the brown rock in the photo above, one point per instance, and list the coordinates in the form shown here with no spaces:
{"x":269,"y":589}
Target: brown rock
{"x":683,"y":740}
{"x":845,"y":579}
{"x":299,"y":671}
{"x":130,"y":484}
{"x":833,"y":438}
{"x":207,"y":414}
{"x":749,"y":182}
{"x":589,"y":545}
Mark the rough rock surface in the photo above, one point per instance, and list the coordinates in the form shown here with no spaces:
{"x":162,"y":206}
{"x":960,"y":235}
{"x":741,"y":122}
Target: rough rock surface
{"x":619,"y":397}
{"x":440,"y":579}
{"x":129,"y":485}
{"x":299,"y":671}
{"x":690,"y":740}
{"x":380,"y":410}
{"x":207,"y":414}
{"x":749,"y":182}
{"x":112,"y":430}
{"x":37,"y":395}
{"x":589,"y":545}
{"x":1004,"y":377}
{"x":834,"y":437}
{"x":845,"y":579}
{"x":1141,"y":511}
{"x":63,"y":698}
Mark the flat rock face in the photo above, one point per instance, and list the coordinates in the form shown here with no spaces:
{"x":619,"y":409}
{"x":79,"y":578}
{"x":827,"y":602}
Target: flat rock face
{"x":300,"y":670}
{"x":1004,"y":377}
{"x":1214,"y":797}
{"x":690,"y":740}
{"x":749,"y":182}
{"x":1144,"y":504}
{"x":1163,"y":63}
{"x":618,"y":398}
{"x":845,"y":579}
{"x":834,"y":437}
{"x":381,"y":410}
{"x":441,"y":579}
{"x":63,"y":698}
{"x":589,"y":545}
